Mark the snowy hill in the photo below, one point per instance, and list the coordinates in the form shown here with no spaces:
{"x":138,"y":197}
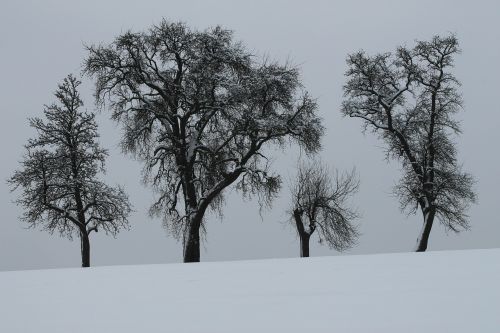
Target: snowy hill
{"x":457,"y":291}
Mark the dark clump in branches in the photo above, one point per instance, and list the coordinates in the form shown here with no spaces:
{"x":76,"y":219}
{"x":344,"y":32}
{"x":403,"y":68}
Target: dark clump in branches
{"x":199,"y":110}
{"x":320,"y":202}
{"x":58,"y":177}
{"x":410,"y":98}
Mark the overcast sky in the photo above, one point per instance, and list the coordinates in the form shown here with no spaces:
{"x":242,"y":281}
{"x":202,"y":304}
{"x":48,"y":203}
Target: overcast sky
{"x":42,"y":41}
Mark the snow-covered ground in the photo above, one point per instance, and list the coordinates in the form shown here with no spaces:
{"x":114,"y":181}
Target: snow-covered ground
{"x":456,"y":291}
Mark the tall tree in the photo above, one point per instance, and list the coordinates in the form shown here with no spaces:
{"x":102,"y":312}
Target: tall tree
{"x":199,"y":111}
{"x":59,"y":174}
{"x":320,"y":202}
{"x":410,"y":98}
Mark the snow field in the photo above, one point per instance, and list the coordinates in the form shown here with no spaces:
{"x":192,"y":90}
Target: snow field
{"x":449,"y":291}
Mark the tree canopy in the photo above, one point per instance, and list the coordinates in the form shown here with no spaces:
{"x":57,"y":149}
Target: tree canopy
{"x":199,"y":110}
{"x":59,"y":175}
{"x":320,"y":202}
{"x":410,"y":98}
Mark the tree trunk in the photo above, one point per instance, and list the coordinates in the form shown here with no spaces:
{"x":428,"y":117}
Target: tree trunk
{"x":303,"y":234}
{"x":192,"y":242}
{"x":304,"y":244}
{"x":85,"y":247}
{"x":423,"y":240}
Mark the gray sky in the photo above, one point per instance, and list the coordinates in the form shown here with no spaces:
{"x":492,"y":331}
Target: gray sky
{"x":42,"y":41}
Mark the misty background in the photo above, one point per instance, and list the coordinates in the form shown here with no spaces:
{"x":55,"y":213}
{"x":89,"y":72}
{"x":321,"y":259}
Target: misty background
{"x":42,"y":42}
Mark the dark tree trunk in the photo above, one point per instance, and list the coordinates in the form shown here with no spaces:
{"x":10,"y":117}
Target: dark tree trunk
{"x":304,"y":244}
{"x":192,"y":242}
{"x":85,"y":247}
{"x":84,"y":236}
{"x":303,"y":234}
{"x":429,"y":213}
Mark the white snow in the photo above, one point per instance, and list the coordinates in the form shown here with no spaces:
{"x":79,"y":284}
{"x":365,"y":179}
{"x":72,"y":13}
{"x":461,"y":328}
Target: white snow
{"x":456,"y":291}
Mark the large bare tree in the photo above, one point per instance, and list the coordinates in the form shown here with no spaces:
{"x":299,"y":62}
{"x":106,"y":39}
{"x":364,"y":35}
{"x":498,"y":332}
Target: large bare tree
{"x":58,"y":177}
{"x":410,"y":98}
{"x":320,"y":202}
{"x":199,"y":110}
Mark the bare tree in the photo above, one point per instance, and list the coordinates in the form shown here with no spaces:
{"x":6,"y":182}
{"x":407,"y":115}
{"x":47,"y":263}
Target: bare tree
{"x":320,"y":202}
{"x":59,"y":174}
{"x":409,"y":98}
{"x":199,"y":111}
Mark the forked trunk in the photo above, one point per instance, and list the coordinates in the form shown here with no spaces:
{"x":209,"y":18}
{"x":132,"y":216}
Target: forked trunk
{"x":192,"y":242}
{"x":304,"y":244}
{"x":85,"y":248}
{"x":423,"y":240}
{"x":303,"y":234}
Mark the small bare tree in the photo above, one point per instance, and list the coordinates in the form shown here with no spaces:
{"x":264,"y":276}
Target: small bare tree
{"x":200,"y":111}
{"x":409,"y":98}
{"x":59,"y":174}
{"x":320,"y":202}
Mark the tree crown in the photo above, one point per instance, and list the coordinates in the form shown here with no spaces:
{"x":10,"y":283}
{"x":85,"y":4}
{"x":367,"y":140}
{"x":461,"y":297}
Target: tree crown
{"x":320,"y":200}
{"x":59,"y":173}
{"x":198,"y":110}
{"x":409,"y":98}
